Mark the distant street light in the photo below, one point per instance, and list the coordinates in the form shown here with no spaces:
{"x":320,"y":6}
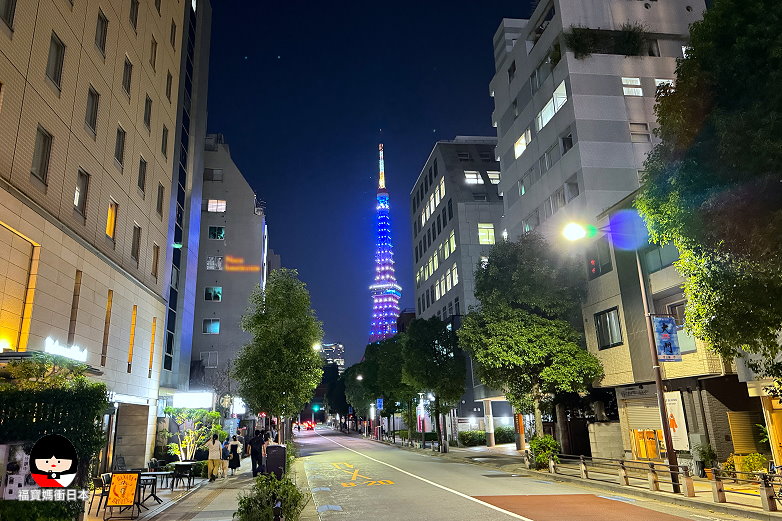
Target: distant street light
{"x":359,"y":378}
{"x":574,"y":232}
{"x":316,"y":346}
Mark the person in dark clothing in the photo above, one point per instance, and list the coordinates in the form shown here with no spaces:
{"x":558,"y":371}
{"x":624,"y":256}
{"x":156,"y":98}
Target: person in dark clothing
{"x":255,"y":445}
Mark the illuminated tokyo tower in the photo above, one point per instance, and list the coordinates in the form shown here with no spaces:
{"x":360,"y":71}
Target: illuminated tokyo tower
{"x":385,"y":291}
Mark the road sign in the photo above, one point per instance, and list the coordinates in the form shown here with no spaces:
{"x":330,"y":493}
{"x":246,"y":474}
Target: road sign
{"x":666,"y":339}
{"x":379,"y":404}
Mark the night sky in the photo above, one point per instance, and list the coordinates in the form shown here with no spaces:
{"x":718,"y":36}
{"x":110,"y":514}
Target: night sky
{"x":304,"y":92}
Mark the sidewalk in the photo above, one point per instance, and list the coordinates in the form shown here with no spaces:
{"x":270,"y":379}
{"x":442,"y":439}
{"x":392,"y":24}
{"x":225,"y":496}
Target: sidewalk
{"x":742,"y":501}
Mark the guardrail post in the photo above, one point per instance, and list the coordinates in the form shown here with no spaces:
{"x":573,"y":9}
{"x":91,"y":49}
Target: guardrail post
{"x":623,"y":479}
{"x":584,"y":471}
{"x":689,"y":486}
{"x":654,"y":482}
{"x":717,"y":488}
{"x":552,"y":466}
{"x":767,"y":498}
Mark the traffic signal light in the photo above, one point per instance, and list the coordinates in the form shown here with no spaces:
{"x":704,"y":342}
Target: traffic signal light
{"x":316,"y":407}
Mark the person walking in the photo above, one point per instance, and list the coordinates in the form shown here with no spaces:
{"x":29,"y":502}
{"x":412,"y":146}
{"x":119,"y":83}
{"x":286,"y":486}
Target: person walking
{"x":267,"y":440}
{"x":215,"y":457}
{"x":234,"y":462}
{"x":255,"y":445}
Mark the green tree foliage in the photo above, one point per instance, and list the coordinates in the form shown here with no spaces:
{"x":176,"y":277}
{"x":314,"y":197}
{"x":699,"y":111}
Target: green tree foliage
{"x":194,"y":428}
{"x":528,"y":355}
{"x":433,"y":362}
{"x":713,"y":185}
{"x":357,"y":390}
{"x":387,"y":361}
{"x":526,"y":339}
{"x":279,"y":370}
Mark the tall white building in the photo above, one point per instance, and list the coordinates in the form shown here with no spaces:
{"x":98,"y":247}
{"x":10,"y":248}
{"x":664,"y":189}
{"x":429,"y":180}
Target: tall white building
{"x":573,"y":132}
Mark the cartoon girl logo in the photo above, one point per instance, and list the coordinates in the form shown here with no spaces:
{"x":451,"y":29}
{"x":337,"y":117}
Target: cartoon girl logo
{"x":53,"y":461}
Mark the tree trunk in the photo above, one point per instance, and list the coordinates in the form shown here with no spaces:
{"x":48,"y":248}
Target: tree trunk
{"x":538,"y":414}
{"x":437,"y":430}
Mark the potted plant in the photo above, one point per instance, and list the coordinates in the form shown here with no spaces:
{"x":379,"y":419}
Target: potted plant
{"x":705,"y":453}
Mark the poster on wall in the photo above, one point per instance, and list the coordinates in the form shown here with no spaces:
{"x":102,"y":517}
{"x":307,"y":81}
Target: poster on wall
{"x":676,"y":420}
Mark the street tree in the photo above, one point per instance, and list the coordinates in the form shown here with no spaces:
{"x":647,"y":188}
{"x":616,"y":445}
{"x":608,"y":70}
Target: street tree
{"x":433,"y":362}
{"x":278,"y":371}
{"x":357,"y":387}
{"x":528,"y":355}
{"x":194,"y":428}
{"x":713,"y":186}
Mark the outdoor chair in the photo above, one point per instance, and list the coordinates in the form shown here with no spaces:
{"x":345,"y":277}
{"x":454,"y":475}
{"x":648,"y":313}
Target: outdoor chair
{"x":183,"y":475}
{"x":100,"y":488}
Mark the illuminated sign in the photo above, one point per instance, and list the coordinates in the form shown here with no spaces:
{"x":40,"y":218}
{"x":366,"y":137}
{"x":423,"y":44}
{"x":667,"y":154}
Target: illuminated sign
{"x":196,"y":400}
{"x":237,"y":264}
{"x":73,"y":352}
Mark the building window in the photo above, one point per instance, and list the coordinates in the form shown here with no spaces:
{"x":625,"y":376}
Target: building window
{"x":558,"y":200}
{"x":134,"y":14}
{"x":609,"y":333}
{"x":7,"y":10}
{"x":135,"y":246}
{"x":111,"y":220}
{"x":127,"y":76}
{"x":164,"y":142}
{"x":172,"y":35}
{"x":511,"y":71}
{"x":168,"y":356}
{"x":211,"y":326}
{"x":213,"y":293}
{"x":91,"y":117}
{"x":523,"y":182}
{"x":213,"y":174}
{"x":159,"y":203}
{"x":567,"y":142}
{"x":571,"y":188}
{"x":632,"y":86}
{"x":456,"y":309}
{"x":169,"y":82}
{"x":485,"y":233}
{"x":56,"y":59}
{"x":598,"y":258}
{"x":483,"y":196}
{"x":209,"y":359}
{"x":463,"y":156}
{"x":148,"y":112}
{"x":558,"y":99}
{"x":214,"y":263}
{"x":486,"y":157}
{"x":101,"y":30}
{"x":153,"y":53}
{"x":215,"y":205}
{"x":155,"y":259}
{"x":142,"y":174}
{"x":473,"y":177}
{"x":80,"y":194}
{"x":639,"y":133}
{"x":450,"y":210}
{"x":119,"y":146}
{"x":659,"y":257}
{"x":157,"y":6}
{"x":43,"y":149}
{"x":521,"y":144}
{"x":217,"y":233}
{"x":174,"y":277}
{"x":494,"y":177}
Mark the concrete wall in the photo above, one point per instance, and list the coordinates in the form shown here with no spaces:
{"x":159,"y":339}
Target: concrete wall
{"x":605,"y":440}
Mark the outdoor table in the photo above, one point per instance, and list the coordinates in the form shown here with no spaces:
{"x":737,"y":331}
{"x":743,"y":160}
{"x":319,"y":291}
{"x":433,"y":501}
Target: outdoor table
{"x":154,"y":476}
{"x":181,"y":464}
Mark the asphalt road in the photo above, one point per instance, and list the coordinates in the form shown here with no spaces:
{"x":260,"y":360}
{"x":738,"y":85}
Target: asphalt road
{"x":359,"y":479}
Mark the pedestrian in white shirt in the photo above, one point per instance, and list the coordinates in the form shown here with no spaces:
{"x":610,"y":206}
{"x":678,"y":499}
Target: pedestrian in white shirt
{"x":215,"y":457}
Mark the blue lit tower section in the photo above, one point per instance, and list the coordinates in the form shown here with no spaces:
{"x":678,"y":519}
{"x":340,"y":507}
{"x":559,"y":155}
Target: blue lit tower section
{"x":385,"y":291}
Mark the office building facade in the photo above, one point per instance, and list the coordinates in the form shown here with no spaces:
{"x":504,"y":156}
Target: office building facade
{"x":232,"y":260}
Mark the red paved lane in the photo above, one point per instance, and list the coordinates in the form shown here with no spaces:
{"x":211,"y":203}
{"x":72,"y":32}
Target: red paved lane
{"x":575,"y":507}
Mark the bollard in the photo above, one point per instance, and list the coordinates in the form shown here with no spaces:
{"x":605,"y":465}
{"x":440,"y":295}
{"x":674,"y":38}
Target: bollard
{"x":584,"y":471}
{"x":552,"y":467}
{"x":717,"y":488}
{"x":623,"y":479}
{"x":689,"y":486}
{"x":654,"y":483}
{"x":767,"y":498}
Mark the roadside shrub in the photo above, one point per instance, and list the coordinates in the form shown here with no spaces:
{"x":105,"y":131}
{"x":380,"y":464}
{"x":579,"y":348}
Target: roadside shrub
{"x":405,"y":434}
{"x":504,"y":435}
{"x":472,"y":438}
{"x":200,"y":469}
{"x":753,"y":463}
{"x":258,"y":502}
{"x":544,"y":448}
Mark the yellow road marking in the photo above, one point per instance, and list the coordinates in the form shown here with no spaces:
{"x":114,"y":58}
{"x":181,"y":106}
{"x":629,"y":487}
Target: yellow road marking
{"x":355,"y":474}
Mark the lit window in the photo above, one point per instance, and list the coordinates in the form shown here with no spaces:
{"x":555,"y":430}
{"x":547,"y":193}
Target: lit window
{"x":632,"y":86}
{"x":214,"y":263}
{"x":473,"y":177}
{"x":521,"y":144}
{"x":211,"y":326}
{"x":609,"y":332}
{"x":556,"y":102}
{"x":494,"y":177}
{"x":213,"y":293}
{"x":217,"y":233}
{"x":485,"y":233}
{"x":111,"y":220}
{"x":215,"y":205}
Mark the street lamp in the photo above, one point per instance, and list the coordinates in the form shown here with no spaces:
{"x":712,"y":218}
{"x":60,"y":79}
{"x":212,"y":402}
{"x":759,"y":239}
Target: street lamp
{"x":573,"y":232}
{"x":316,"y":346}
{"x":359,"y":378}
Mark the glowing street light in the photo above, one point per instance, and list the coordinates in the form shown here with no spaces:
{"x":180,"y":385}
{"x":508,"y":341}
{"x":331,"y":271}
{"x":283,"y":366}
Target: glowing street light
{"x":317,"y":346}
{"x":359,"y":378}
{"x":574,"y":231}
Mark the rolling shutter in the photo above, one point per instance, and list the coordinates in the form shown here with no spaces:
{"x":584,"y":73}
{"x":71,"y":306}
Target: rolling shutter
{"x":744,"y":432}
{"x":642,"y":413}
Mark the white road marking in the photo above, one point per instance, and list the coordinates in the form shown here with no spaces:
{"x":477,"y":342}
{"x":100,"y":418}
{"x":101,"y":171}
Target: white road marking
{"x":452,"y":491}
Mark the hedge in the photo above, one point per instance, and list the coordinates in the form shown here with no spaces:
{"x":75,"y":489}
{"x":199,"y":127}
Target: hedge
{"x":403,"y":433}
{"x":504,"y":435}
{"x":472,"y":438}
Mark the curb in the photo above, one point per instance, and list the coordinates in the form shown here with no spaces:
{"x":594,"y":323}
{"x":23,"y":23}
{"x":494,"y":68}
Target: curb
{"x":310,"y":511}
{"x":720,"y":508}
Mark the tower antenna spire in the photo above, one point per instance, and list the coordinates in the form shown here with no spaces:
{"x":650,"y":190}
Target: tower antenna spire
{"x":382,"y":182}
